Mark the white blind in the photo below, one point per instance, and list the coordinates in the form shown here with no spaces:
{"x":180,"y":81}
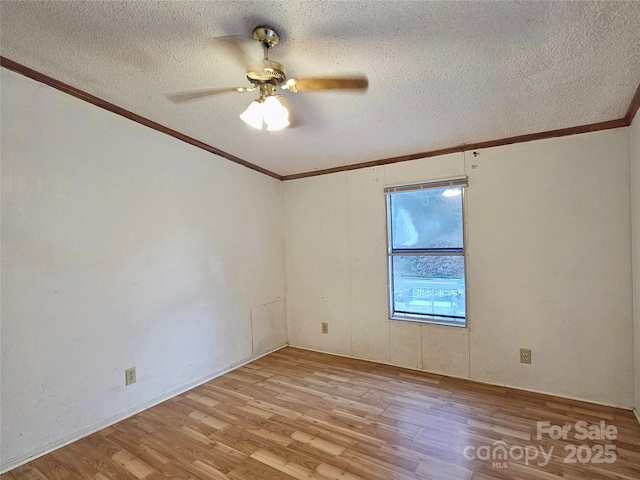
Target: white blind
{"x":449,"y":182}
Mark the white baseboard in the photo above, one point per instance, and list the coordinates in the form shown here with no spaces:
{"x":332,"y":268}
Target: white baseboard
{"x":19,"y":460}
{"x":474,"y":380}
{"x":637,"y":414}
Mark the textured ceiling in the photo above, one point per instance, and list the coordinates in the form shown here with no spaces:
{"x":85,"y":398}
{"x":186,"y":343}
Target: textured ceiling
{"x":441,"y":74}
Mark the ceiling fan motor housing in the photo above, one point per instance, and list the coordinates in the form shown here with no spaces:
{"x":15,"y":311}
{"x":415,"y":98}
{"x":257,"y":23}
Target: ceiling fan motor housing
{"x":271,"y":72}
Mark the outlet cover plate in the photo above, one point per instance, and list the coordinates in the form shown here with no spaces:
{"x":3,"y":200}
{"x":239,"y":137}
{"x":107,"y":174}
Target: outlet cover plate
{"x":525,"y":355}
{"x":130,"y":376}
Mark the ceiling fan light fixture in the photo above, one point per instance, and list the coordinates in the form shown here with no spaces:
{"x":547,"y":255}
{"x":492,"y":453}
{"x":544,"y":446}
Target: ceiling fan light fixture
{"x":253,"y":114}
{"x":267,"y":111}
{"x":276,"y":116}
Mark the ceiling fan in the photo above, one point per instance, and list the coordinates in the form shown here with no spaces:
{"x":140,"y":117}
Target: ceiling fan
{"x":266,"y":77}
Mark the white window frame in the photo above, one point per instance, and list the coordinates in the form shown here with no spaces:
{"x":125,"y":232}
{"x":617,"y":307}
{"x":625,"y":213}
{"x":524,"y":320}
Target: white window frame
{"x":461,"y":182}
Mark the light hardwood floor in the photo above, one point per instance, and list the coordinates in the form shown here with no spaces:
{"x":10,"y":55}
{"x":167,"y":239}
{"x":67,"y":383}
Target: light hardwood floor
{"x":306,"y":415}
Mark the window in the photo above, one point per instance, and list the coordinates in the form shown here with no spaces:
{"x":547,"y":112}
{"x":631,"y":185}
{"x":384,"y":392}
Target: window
{"x":426,"y":252}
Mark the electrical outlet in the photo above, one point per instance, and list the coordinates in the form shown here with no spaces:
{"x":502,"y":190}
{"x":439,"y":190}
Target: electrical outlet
{"x":130,"y":376}
{"x":325,"y":327}
{"x":525,"y":355}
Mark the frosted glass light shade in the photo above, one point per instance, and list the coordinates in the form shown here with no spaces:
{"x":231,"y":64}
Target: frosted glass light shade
{"x":276,"y":116}
{"x":253,"y":114}
{"x":277,"y":124}
{"x":269,"y":111}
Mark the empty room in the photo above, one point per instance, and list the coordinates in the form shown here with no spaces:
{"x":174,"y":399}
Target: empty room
{"x":330,"y":240}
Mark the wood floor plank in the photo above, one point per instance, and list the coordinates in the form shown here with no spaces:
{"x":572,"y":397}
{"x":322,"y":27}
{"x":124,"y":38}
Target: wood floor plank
{"x":103,"y":464}
{"x":51,"y":469}
{"x":297,"y":414}
{"x":255,"y":470}
{"x":26,"y":472}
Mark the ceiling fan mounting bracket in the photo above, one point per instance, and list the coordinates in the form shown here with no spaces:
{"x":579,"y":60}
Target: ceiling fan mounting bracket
{"x":266,"y":36}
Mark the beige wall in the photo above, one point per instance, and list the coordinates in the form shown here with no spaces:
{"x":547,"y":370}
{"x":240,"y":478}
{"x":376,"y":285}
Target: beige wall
{"x":634,"y":143}
{"x":122,"y":247}
{"x":549,"y":257}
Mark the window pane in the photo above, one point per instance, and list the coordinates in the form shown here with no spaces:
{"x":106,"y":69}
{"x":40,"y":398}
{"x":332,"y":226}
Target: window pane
{"x":427,"y":219}
{"x":429,"y":285}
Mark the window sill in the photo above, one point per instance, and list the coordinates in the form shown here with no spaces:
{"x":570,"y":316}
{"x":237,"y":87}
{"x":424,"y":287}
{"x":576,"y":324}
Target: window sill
{"x":438,"y":321}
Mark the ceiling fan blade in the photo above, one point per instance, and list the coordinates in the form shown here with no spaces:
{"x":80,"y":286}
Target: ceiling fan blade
{"x":300,"y":85}
{"x":242,"y":49}
{"x":198,"y":94}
